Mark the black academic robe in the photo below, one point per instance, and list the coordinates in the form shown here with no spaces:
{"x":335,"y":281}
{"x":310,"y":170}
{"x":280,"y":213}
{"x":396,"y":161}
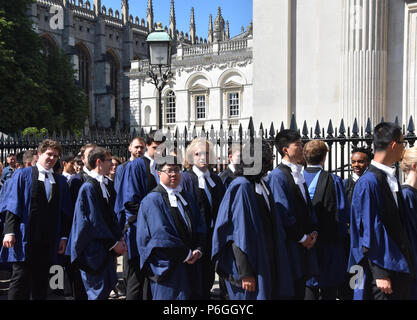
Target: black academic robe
{"x":226,"y":176}
{"x":349,"y":185}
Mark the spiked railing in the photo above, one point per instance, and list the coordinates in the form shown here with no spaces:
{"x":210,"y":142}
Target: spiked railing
{"x":340,"y":141}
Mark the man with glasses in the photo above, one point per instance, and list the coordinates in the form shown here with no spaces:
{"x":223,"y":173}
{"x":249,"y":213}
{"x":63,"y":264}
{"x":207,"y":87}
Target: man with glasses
{"x":379,"y":240}
{"x":170,"y":238}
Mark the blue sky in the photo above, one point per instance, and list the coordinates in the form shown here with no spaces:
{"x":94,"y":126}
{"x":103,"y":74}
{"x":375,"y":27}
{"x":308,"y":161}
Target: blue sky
{"x":238,"y":12}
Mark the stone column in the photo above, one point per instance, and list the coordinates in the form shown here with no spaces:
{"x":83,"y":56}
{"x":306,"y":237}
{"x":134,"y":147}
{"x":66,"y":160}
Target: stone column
{"x":364,"y":60}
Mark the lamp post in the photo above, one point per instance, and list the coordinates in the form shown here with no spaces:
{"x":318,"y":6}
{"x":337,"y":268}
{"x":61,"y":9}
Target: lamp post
{"x":159,"y":52}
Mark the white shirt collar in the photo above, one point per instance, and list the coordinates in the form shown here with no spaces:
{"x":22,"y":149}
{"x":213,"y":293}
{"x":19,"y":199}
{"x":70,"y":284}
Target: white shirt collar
{"x":201,"y":175}
{"x":85,"y":169}
{"x":232,"y":167}
{"x":293,"y":167}
{"x":315,"y":166}
{"x":355,"y":177}
{"x":173,"y":194}
{"x":67,"y":175}
{"x":43,"y":173}
{"x":147,"y":156}
{"x":390,"y":171}
{"x":103,"y":181}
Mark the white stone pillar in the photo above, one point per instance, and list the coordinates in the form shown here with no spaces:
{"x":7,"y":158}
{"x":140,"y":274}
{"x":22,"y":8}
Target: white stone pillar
{"x":364,"y":60}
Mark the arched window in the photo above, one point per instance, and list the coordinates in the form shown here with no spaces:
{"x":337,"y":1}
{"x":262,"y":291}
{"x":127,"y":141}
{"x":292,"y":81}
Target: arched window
{"x":147,"y":115}
{"x":170,"y":108}
{"x":112,"y":82}
{"x":48,"y":45}
{"x":83,"y":68}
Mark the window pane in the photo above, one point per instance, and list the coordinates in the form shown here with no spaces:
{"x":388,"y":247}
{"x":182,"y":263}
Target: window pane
{"x":234,"y":104}
{"x":200,"y":102}
{"x":170,"y":108}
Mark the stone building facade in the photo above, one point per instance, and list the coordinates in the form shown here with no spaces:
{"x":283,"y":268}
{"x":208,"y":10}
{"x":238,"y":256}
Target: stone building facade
{"x":211,"y":83}
{"x":334,"y":59}
{"x":101,"y":42}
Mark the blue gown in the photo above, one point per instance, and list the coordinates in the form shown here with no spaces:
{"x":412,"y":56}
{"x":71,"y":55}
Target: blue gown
{"x":132,"y":189}
{"x":89,"y":242}
{"x":17,"y":200}
{"x":410,"y":197}
{"x":303,"y":262}
{"x":334,"y":216}
{"x":157,"y":233}
{"x":366,"y":214}
{"x":239,"y":221}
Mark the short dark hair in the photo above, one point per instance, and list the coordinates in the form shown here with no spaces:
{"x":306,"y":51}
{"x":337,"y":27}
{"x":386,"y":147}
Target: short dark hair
{"x":85,"y":147}
{"x":50,"y":144}
{"x":97,"y":153}
{"x":284,"y":138}
{"x":139,"y":139}
{"x":267,"y":159}
{"x":169,"y":160}
{"x":28,"y":155}
{"x":367,"y":151}
{"x":19,"y":157}
{"x":150,"y":137}
{"x":68,"y":157}
{"x":384,"y":134}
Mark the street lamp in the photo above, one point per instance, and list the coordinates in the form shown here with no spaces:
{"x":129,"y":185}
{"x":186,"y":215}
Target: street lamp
{"x":159,"y":52}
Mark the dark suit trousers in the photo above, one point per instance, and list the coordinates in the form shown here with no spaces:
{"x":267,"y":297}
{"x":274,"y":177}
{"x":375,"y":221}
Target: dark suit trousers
{"x":31,"y":277}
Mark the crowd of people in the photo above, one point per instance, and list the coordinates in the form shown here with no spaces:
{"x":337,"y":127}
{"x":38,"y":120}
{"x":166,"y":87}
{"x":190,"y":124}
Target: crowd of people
{"x":295,"y":231}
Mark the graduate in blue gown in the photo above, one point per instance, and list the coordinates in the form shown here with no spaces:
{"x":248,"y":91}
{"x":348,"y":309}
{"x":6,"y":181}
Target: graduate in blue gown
{"x":37,"y":221}
{"x":380,"y":239}
{"x":409,"y":189}
{"x":332,"y":210}
{"x":249,"y":239}
{"x":170,"y":239}
{"x":295,"y":208}
{"x":208,"y":189}
{"x":95,"y":235}
{"x":134,"y":186}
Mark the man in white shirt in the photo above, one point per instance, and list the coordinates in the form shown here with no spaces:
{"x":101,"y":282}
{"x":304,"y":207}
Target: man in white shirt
{"x":68,"y":164}
{"x":379,"y":239}
{"x":233,"y":154}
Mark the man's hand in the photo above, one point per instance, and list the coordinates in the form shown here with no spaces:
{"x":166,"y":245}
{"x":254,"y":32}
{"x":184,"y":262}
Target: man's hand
{"x":9,"y":241}
{"x":120,"y":247}
{"x":194,"y":257}
{"x":313,"y":236}
{"x":384,"y":285}
{"x":62,"y":246}
{"x":307,"y":242}
{"x":249,"y":284}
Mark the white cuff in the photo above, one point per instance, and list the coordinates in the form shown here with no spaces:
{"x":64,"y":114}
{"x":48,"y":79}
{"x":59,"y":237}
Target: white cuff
{"x":303,"y":239}
{"x":189,"y":256}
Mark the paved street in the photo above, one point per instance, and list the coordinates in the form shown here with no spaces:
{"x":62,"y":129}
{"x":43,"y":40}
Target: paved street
{"x":5,"y":276}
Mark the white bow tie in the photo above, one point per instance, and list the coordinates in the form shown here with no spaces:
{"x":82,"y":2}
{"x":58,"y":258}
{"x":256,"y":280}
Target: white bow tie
{"x":172,"y":196}
{"x":46,"y":173}
{"x":261,"y":189}
{"x":393,"y":183}
{"x":103,"y":182}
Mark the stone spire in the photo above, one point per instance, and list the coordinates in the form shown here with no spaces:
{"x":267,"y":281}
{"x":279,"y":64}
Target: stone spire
{"x":172,"y":22}
{"x":219,"y":26}
{"x":227,"y":32}
{"x":149,"y":16}
{"x":97,"y":7}
{"x":192,"y":27}
{"x":210,"y":30}
{"x":125,"y":11}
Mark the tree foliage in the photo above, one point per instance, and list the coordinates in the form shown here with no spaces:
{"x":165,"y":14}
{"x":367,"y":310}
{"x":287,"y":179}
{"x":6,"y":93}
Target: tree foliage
{"x":36,"y":90}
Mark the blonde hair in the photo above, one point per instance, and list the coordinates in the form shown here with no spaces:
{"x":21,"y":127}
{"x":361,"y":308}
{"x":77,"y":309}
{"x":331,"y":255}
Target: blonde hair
{"x":410,"y":157}
{"x":189,"y":152}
